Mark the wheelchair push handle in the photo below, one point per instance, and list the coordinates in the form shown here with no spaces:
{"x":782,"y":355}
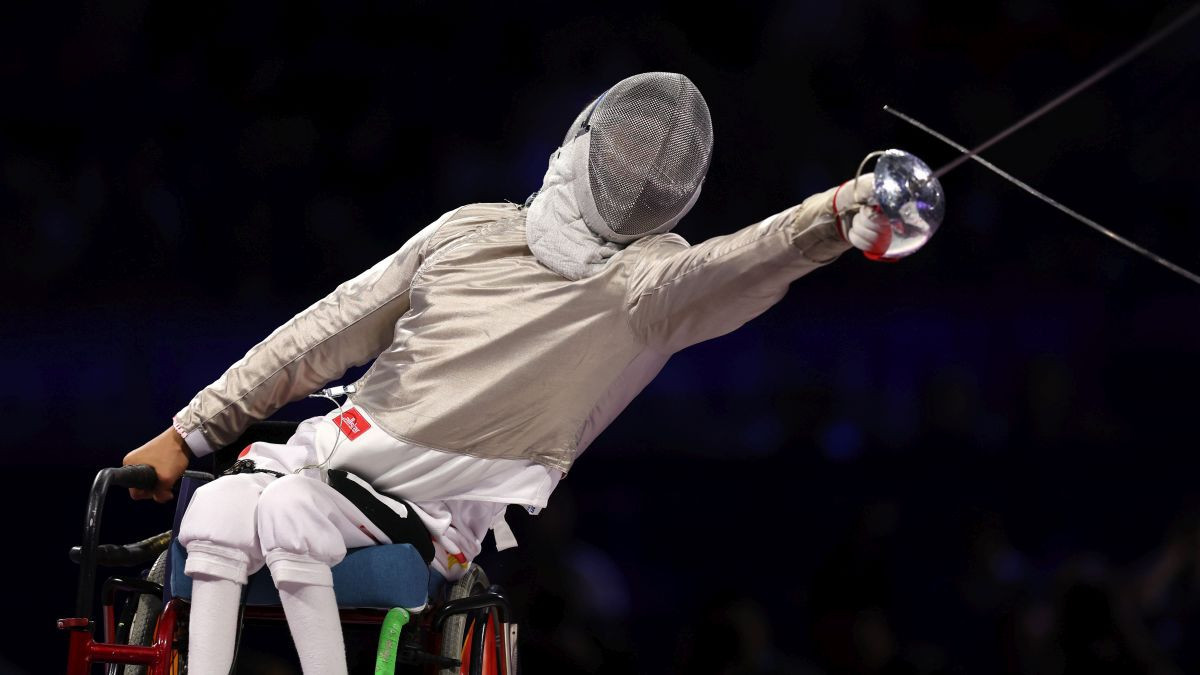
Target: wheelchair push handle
{"x":138,"y":476}
{"x":142,"y":476}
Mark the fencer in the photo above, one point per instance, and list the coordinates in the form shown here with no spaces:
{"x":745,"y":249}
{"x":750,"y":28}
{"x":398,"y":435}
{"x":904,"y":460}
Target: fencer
{"x":505,"y":338}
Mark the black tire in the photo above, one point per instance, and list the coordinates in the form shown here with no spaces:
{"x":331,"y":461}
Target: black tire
{"x":453,"y":632}
{"x":149,"y":607}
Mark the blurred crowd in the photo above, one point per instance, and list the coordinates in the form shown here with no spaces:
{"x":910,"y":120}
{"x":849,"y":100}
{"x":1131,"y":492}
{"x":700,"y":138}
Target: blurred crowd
{"x":863,"y":569}
{"x":147,"y":146}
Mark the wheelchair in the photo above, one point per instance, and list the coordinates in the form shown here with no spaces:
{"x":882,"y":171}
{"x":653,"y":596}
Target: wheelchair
{"x":460,"y":628}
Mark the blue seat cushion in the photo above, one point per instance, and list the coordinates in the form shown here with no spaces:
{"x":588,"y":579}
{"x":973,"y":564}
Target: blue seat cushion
{"x":385,"y":576}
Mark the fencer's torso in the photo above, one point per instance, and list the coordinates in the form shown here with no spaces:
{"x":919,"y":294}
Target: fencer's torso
{"x":481,"y":350}
{"x":500,"y":357}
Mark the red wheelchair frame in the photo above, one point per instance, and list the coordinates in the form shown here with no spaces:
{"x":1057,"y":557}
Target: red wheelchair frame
{"x":475,"y":615}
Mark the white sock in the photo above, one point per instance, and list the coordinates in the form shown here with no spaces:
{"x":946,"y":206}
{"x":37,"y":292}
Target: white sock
{"x":312,"y":617}
{"x":212,"y":624}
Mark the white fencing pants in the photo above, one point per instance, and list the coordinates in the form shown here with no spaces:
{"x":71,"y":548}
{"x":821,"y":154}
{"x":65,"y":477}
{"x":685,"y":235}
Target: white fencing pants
{"x":298,"y":526}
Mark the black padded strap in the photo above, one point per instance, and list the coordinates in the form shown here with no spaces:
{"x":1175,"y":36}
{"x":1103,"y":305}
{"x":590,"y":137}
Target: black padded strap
{"x":400,"y":529}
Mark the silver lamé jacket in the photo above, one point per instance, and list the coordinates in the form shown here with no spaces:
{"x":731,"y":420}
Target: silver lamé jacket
{"x":480,"y":349}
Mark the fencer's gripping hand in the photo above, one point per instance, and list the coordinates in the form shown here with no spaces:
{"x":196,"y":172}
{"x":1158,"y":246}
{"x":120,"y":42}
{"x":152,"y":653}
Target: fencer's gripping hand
{"x":167,"y":453}
{"x":854,"y":208}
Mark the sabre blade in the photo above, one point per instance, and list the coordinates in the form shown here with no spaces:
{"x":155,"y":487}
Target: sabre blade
{"x":1070,"y":93}
{"x":1070,"y":212}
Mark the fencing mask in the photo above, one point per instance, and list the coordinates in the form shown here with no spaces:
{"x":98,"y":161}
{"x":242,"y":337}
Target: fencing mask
{"x":631,"y":165}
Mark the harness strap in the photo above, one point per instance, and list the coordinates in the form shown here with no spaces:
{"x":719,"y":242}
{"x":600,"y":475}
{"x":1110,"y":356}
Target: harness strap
{"x":407,"y":529}
{"x":248,"y":466}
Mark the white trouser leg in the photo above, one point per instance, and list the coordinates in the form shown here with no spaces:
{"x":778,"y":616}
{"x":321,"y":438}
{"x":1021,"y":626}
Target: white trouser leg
{"x":212,"y":624}
{"x":304,"y":527}
{"x":220,"y":532}
{"x":219,"y":529}
{"x":297,"y":525}
{"x":316,"y":627}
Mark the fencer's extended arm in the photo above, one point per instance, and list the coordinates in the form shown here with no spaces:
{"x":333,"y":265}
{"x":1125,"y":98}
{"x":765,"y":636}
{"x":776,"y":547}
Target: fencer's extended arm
{"x":680,"y":295}
{"x":347,"y":328}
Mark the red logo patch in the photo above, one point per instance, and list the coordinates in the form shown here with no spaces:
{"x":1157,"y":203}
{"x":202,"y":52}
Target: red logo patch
{"x":352,"y":424}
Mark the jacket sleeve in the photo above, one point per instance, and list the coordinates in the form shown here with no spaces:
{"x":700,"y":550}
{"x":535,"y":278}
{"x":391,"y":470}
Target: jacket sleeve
{"x":347,"y":328}
{"x":679,"y":295}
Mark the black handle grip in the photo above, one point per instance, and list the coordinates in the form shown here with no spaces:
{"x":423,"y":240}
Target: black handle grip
{"x":140,"y":476}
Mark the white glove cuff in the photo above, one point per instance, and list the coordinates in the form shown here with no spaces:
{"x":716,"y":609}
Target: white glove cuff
{"x":849,"y":197}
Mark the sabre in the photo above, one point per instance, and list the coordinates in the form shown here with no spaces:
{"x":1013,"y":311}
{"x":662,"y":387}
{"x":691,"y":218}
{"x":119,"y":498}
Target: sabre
{"x":909,"y":195}
{"x":1070,"y":93}
{"x":969,"y":154}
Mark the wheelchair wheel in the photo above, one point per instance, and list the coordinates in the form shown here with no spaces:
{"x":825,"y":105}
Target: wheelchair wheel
{"x":141,"y":629}
{"x":145,"y":619}
{"x":457,"y":632}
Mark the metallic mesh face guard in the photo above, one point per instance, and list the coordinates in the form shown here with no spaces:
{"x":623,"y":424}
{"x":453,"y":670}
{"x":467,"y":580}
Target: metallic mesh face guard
{"x":650,"y":148}
{"x":582,"y":121}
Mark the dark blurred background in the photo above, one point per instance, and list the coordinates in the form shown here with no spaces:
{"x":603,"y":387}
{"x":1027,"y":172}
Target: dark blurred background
{"x":981,"y":459}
